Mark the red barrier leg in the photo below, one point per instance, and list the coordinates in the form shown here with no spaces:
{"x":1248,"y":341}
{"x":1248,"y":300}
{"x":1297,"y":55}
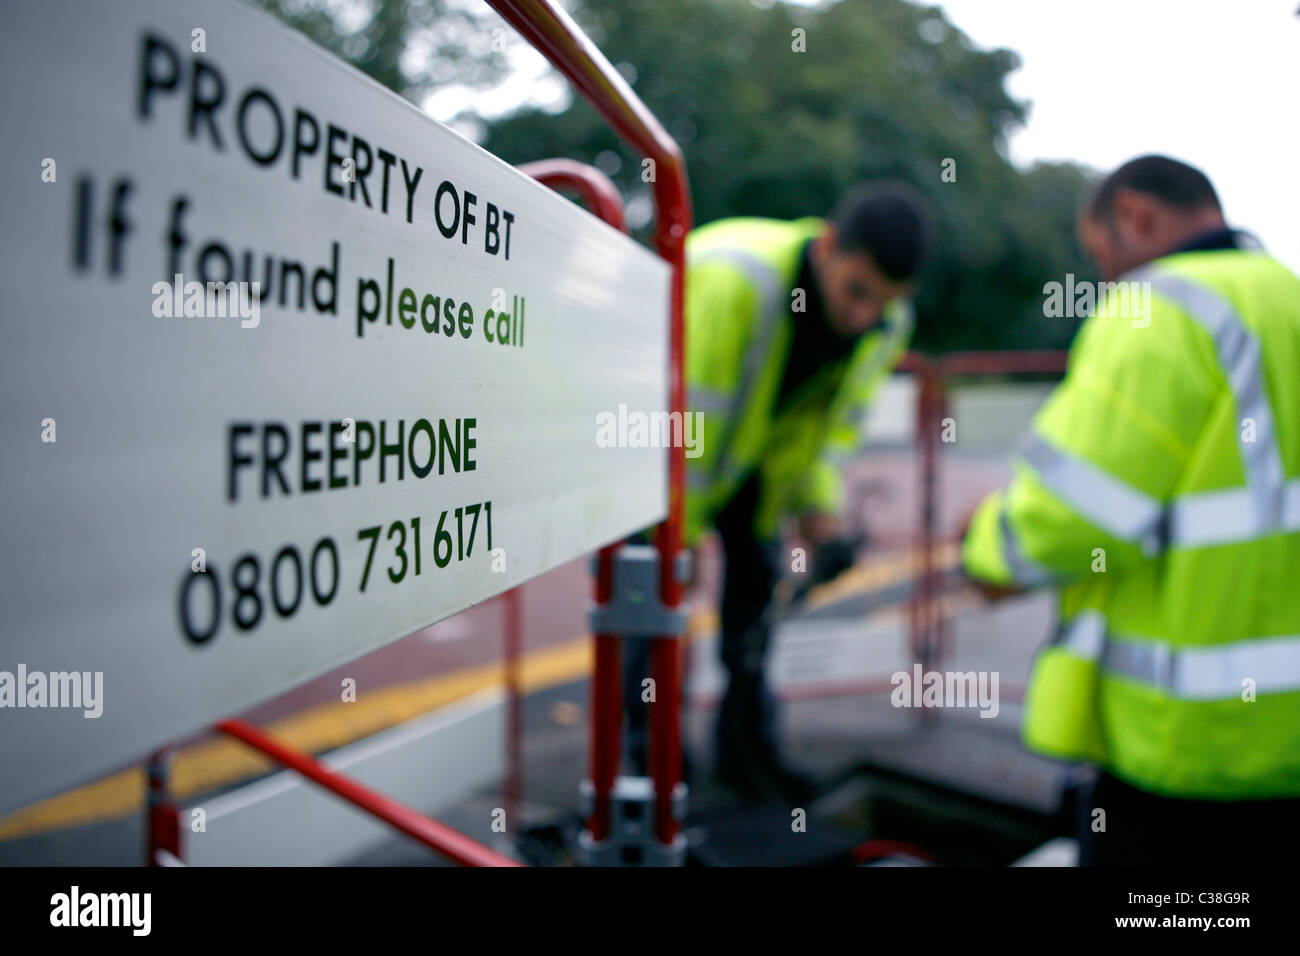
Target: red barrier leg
{"x":514,"y":782}
{"x":666,"y":732}
{"x":164,"y":823}
{"x":606,"y":707}
{"x":455,"y":846}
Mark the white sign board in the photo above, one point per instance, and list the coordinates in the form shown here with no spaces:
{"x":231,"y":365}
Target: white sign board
{"x":208,"y":509}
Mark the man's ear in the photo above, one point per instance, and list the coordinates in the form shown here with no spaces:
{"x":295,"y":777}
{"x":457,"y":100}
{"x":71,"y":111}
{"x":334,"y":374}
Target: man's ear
{"x":1134,"y":211}
{"x":824,"y":244}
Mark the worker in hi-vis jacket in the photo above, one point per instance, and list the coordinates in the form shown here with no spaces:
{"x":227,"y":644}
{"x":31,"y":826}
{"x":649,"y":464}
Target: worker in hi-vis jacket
{"x":790,"y":326}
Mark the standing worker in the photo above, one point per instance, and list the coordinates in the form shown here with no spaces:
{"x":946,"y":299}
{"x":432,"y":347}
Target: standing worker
{"x":1158,"y":488}
{"x":789,"y":328}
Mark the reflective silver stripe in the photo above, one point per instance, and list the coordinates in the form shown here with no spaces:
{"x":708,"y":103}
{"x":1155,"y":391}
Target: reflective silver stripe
{"x":1111,"y":504}
{"x":1216,"y":672}
{"x":895,"y":335}
{"x":766,"y":281}
{"x":1024,"y":570}
{"x":1222,"y":517}
{"x":1239,"y":357}
{"x":1084,"y":635}
{"x":836,"y":457}
{"x":711,"y":401}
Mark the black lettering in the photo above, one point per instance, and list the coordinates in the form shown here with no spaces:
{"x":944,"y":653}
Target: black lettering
{"x":446,"y":187}
{"x":288,"y":268}
{"x":444,"y":439}
{"x":468,"y":219}
{"x":364,"y":448}
{"x":237,"y":458}
{"x":491,"y":235}
{"x":271,"y":460}
{"x":411,"y":184}
{"x":257,"y":93}
{"x":470,"y":443}
{"x":385,"y":449}
{"x":201,"y":105}
{"x":302,"y":120}
{"x":387,"y":159}
{"x":211,"y":250}
{"x":331,"y":277}
{"x":152,"y":78}
{"x":337,"y":454}
{"x":419,"y":426}
{"x":309,"y":455}
{"x":359,"y":147}
{"x":333,"y":159}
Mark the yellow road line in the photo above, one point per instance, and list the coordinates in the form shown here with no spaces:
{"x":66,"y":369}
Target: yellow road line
{"x":222,"y":761}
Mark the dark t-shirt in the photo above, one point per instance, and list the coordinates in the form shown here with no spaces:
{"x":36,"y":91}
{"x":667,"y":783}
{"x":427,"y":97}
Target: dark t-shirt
{"x":815,"y":344}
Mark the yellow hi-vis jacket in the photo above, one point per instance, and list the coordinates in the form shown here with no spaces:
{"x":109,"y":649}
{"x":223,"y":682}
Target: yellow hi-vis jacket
{"x":1159,"y":488}
{"x":740,"y":313}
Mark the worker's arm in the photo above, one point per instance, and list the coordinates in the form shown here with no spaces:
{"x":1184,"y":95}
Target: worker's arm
{"x":822,"y":494}
{"x":1103,"y":455}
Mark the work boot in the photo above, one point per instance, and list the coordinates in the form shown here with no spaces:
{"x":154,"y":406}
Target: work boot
{"x":794,"y":786}
{"x":764,"y":780}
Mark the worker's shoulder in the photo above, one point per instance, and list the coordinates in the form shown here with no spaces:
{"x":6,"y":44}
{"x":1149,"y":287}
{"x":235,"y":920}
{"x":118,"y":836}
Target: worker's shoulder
{"x":776,"y":241}
{"x":1258,"y":287}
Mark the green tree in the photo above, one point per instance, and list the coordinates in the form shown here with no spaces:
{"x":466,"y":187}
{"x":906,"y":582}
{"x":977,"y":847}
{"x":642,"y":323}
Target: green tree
{"x":410,"y":46}
{"x":880,"y":90}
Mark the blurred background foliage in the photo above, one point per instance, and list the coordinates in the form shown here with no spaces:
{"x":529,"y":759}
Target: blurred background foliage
{"x":884,"y":89}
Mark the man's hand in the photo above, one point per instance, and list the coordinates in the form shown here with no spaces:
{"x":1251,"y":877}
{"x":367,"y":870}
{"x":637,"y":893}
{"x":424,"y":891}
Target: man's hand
{"x":818,"y":527}
{"x":992,"y":593}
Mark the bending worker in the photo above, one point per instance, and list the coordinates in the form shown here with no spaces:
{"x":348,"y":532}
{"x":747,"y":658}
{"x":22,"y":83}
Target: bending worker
{"x":789,"y":328}
{"x":1160,"y":490}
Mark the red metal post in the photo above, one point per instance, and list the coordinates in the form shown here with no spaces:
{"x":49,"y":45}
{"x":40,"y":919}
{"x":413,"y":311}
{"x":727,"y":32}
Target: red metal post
{"x":920,"y":609}
{"x":455,"y":846}
{"x":514,"y":783}
{"x":606,"y":705}
{"x":164,"y":823}
{"x":1004,"y":362}
{"x":553,"y":32}
{"x":595,"y":188}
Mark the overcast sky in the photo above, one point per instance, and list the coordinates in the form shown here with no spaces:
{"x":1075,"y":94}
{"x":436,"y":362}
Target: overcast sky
{"x":1216,"y":84}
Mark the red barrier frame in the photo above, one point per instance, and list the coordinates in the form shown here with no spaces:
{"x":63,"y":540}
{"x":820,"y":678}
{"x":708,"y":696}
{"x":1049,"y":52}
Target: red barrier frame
{"x":552,"y":32}
{"x":606,"y":715}
{"x":928,"y":625}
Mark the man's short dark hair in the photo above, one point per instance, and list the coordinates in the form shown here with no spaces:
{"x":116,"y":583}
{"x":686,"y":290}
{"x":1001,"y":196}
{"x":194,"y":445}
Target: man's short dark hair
{"x":1172,"y":182}
{"x":888,"y":221}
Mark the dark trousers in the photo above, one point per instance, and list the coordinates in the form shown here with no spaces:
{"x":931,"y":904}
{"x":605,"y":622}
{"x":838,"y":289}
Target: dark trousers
{"x":1144,"y":829}
{"x":746,"y":726}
